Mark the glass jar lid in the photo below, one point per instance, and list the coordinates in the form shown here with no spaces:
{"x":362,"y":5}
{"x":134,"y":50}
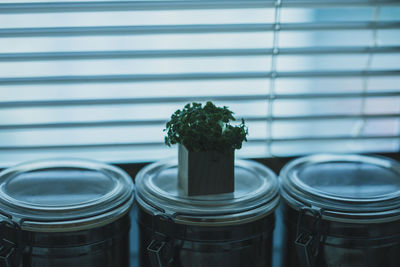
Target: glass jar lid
{"x":346,"y":187}
{"x":256,"y":194}
{"x":64,"y":194}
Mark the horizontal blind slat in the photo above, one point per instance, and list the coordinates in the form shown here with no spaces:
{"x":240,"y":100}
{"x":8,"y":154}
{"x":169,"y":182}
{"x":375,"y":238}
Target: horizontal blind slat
{"x":261,"y":140}
{"x":134,"y":123}
{"x":190,"y":29}
{"x":191,"y":76}
{"x":330,"y":138}
{"x":53,"y":7}
{"x":158,"y":100}
{"x":81,"y":55}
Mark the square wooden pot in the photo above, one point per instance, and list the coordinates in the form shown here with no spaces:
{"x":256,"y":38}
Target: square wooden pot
{"x":205,"y":172}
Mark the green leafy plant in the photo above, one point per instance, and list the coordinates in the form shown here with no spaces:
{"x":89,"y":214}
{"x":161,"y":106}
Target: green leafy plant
{"x":205,"y":128}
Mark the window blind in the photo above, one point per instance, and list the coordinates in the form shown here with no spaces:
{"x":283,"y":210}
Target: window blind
{"x":99,"y":79}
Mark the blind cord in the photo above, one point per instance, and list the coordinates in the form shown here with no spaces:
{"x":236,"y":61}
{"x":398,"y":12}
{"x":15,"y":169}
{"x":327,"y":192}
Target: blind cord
{"x":359,"y":127}
{"x":274,"y":55}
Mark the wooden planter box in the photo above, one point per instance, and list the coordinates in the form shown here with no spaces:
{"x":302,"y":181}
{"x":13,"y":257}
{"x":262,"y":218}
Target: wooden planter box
{"x":205,"y":173}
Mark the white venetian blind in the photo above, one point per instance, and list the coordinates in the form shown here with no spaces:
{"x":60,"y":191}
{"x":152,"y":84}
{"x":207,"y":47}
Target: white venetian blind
{"x":99,"y":79}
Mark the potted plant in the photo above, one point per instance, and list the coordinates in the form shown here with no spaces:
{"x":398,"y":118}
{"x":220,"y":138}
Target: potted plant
{"x":207,"y":142}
